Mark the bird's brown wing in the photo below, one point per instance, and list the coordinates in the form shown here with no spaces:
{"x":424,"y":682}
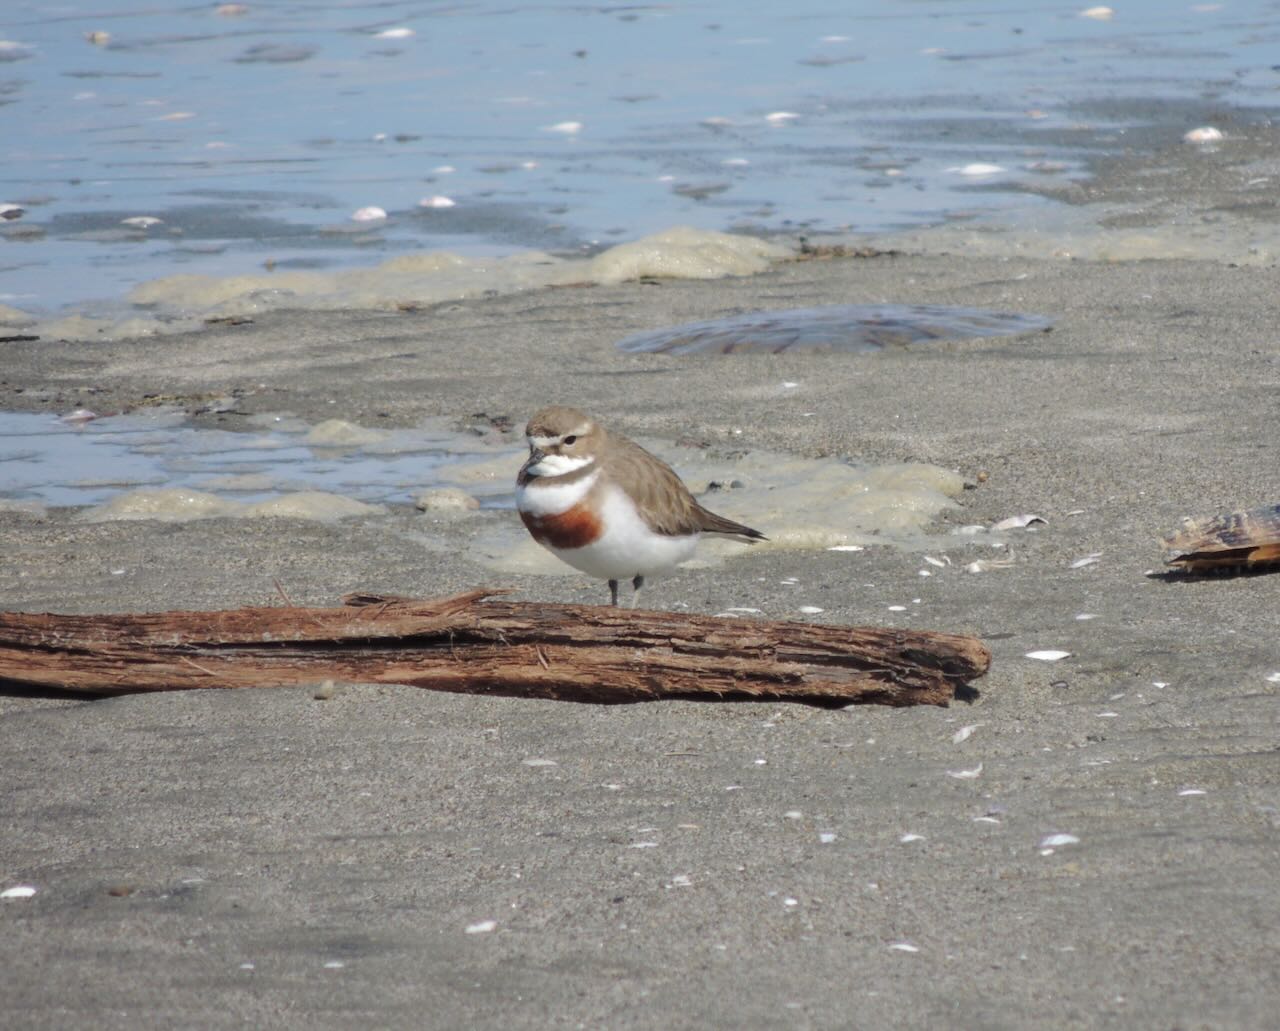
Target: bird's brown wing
{"x":664,"y":501}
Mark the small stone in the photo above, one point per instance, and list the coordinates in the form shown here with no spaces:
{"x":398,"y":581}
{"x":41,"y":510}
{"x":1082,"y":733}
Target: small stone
{"x":446,"y":499}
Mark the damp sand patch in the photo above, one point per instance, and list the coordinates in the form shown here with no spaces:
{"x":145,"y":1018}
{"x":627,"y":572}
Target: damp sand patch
{"x":184,"y":303}
{"x":835,"y":327}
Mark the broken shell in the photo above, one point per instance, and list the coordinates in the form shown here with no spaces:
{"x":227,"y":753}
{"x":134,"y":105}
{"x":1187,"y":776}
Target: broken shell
{"x":79,"y":417}
{"x":983,"y":565}
{"x":1205,"y":134}
{"x":972,"y":774}
{"x":369,"y":214}
{"x":1048,"y":655}
{"x":976,"y":169}
{"x":1018,"y":522}
{"x":438,"y":201}
{"x":1230,"y":541}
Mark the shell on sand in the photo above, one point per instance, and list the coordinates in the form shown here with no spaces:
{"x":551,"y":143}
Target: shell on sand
{"x":1227,"y":541}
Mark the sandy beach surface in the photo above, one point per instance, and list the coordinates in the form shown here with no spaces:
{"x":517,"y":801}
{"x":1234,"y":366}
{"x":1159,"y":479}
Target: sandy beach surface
{"x":395,"y":857}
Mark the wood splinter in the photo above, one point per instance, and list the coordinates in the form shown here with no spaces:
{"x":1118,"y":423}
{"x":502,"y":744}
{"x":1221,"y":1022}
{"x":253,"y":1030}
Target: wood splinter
{"x":468,"y":644}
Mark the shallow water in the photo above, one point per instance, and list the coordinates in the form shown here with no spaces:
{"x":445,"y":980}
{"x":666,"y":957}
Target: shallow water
{"x":52,"y":462}
{"x":253,"y":137}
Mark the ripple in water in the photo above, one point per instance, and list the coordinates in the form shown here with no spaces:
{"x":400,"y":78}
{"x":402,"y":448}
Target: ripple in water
{"x":837,"y":327}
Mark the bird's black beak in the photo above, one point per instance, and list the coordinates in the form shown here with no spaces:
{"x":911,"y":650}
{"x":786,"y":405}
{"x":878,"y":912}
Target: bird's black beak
{"x":536,"y":454}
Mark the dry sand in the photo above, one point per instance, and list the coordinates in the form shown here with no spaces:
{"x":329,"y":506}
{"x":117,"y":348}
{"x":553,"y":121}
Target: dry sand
{"x":262,"y":858}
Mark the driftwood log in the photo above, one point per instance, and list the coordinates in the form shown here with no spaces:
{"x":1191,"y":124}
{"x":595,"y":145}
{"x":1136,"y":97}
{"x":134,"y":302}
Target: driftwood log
{"x":468,"y":644}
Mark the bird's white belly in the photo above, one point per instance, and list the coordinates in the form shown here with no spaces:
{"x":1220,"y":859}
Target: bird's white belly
{"x":627,"y":547}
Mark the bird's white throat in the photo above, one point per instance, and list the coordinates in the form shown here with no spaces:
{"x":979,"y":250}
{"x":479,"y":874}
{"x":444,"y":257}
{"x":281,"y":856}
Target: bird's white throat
{"x":542,"y":497}
{"x":560,"y":465}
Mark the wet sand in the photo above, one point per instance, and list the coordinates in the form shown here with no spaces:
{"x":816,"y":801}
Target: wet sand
{"x":264,"y":858}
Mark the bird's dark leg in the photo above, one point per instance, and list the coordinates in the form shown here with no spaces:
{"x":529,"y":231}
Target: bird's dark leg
{"x":613,"y":593}
{"x":636,"y":584}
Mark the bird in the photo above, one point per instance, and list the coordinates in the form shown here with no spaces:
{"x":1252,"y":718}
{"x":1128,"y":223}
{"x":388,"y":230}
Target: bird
{"x":606,"y":506}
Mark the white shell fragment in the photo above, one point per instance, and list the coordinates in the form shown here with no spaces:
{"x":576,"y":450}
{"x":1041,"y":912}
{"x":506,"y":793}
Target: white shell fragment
{"x":1273,"y":678}
{"x":906,"y":839}
{"x":963,"y":733}
{"x":1204,"y":134}
{"x":810,"y":610}
{"x":846,"y":547}
{"x":904,"y":947}
{"x":540,"y":762}
{"x":481,"y":927}
{"x":977,"y":169}
{"x":397,"y":33}
{"x":972,"y":774}
{"x":984,"y":565}
{"x":1098,"y":13}
{"x":1057,"y":840}
{"x":1018,"y":522}
{"x":1188,"y":792}
{"x":78,"y":417}
{"x":780,"y":117}
{"x":20,"y":891}
{"x":1087,"y":560}
{"x":1048,"y":655}
{"x":437,"y":201}
{"x":369,"y":214}
{"x":565,"y":128}
{"x":942,"y":562}
{"x":142,"y":221}
{"x":826,"y":838}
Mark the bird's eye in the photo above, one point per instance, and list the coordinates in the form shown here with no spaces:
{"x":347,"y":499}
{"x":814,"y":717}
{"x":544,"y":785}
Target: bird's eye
{"x":570,"y":439}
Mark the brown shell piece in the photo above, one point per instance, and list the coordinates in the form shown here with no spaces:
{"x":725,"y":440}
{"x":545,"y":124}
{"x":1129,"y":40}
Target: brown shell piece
{"x":1232,"y":542}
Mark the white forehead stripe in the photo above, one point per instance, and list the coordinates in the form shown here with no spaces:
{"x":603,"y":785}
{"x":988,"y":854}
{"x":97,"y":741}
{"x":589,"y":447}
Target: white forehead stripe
{"x":545,"y":442}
